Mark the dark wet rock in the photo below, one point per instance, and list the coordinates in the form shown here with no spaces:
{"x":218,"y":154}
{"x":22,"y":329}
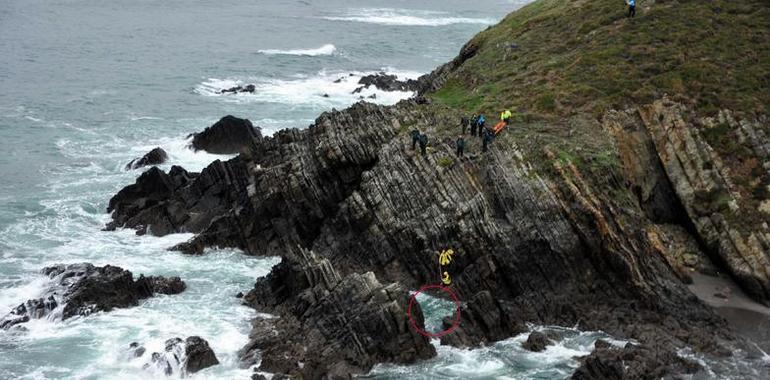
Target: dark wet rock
{"x":330,"y":326}
{"x":632,"y":362}
{"x":199,"y":355}
{"x":83,"y":289}
{"x":136,"y":350}
{"x":239,"y":295}
{"x":325,"y":95}
{"x":160,"y":203}
{"x":258,"y":376}
{"x":250,"y":88}
{"x":385,"y":82}
{"x":183,"y":356}
{"x":156,"y":156}
{"x":536,"y":342}
{"x":162,"y":285}
{"x":229,"y":135}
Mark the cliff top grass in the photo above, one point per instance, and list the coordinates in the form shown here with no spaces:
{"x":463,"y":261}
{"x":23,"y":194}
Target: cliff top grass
{"x":577,"y":56}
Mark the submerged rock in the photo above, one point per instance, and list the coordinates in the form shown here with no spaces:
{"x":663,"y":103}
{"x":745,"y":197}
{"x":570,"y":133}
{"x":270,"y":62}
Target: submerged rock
{"x":536,"y":342}
{"x":250,"y":88}
{"x":183,"y":357}
{"x":229,"y":135}
{"x":83,"y":289}
{"x":156,"y":156}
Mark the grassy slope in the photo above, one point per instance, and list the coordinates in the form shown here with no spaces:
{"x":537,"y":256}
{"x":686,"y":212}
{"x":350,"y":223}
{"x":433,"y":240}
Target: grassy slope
{"x":579,"y":56}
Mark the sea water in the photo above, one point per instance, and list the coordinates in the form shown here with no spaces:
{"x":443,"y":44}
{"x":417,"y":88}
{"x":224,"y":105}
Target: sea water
{"x":88,"y":85}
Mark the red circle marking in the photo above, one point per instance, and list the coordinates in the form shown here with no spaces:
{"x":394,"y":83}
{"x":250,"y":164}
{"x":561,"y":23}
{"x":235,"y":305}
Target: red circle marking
{"x":456,"y":322}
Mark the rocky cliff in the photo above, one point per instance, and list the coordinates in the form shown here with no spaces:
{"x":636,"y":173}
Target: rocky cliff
{"x":591,"y":217}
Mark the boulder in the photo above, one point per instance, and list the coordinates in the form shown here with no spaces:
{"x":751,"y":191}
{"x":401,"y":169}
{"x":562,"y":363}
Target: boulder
{"x":156,"y":156}
{"x":183,"y":356}
{"x":83,"y":289}
{"x":536,"y":342}
{"x":230,"y":135}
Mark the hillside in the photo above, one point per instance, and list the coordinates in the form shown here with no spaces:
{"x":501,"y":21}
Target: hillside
{"x":592,"y":210}
{"x":586,"y":56}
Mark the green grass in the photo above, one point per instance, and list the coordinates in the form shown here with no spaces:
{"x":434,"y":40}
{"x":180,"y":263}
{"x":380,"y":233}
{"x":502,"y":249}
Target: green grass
{"x":578,"y":56}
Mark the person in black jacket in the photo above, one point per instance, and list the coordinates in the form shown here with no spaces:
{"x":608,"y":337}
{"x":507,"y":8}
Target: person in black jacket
{"x":460,"y":146}
{"x":423,"y":144}
{"x":415,"y":138}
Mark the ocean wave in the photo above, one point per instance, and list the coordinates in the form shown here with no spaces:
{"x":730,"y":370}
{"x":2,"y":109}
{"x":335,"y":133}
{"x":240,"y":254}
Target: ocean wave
{"x":324,"y":90}
{"x":407,"y":17}
{"x":327,"y":49}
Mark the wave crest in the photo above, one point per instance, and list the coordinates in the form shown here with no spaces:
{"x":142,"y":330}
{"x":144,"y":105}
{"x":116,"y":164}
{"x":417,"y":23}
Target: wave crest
{"x":327,"y":49}
{"x":407,"y":17}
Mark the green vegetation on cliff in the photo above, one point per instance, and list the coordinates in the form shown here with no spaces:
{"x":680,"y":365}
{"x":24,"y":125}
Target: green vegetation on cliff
{"x":573,"y":56}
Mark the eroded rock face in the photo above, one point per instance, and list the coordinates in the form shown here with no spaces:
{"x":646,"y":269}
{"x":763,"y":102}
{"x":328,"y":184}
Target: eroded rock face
{"x":156,"y":156}
{"x":83,"y":289}
{"x":330,"y":326}
{"x":717,"y":171}
{"x":230,"y":135}
{"x":180,"y":357}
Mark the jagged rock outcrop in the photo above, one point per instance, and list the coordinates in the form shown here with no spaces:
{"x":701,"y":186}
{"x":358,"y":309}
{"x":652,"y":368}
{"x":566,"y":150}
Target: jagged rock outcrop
{"x":156,"y":156}
{"x":230,"y":135}
{"x":182,"y":357}
{"x":330,"y":326}
{"x":83,"y":289}
{"x":386,"y":82}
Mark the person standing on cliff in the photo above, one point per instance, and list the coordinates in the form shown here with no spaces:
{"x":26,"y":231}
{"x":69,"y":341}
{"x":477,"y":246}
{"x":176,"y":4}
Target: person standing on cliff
{"x":424,"y":144}
{"x":506,"y":116}
{"x":481,"y":122}
{"x":460,"y":146}
{"x":474,"y":124}
{"x":486,"y":138}
{"x":464,"y":123}
{"x":631,"y":8}
{"x":415,"y":138}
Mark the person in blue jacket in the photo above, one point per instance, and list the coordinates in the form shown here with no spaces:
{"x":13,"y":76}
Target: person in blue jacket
{"x":481,"y":121}
{"x":631,"y":8}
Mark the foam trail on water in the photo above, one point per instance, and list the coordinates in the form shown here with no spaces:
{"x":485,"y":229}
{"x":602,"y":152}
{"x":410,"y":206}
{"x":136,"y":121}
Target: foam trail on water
{"x":406,"y":17}
{"x":327,"y":49}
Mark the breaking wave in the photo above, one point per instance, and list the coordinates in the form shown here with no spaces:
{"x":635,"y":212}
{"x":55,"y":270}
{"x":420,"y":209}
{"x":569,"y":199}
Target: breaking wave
{"x":407,"y":17}
{"x":327,"y":49}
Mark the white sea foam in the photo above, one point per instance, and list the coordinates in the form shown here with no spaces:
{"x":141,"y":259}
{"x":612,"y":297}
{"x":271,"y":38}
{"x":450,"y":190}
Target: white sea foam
{"x":325,"y":90}
{"x":504,"y":359}
{"x":327,"y":49}
{"x":406,"y":17}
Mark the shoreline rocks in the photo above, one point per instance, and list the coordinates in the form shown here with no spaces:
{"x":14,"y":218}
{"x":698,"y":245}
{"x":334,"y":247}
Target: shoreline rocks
{"x":385,"y":82}
{"x":329,"y":326}
{"x":84,"y":289}
{"x":154,"y":157}
{"x":229,"y":135}
{"x":180,"y":356}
